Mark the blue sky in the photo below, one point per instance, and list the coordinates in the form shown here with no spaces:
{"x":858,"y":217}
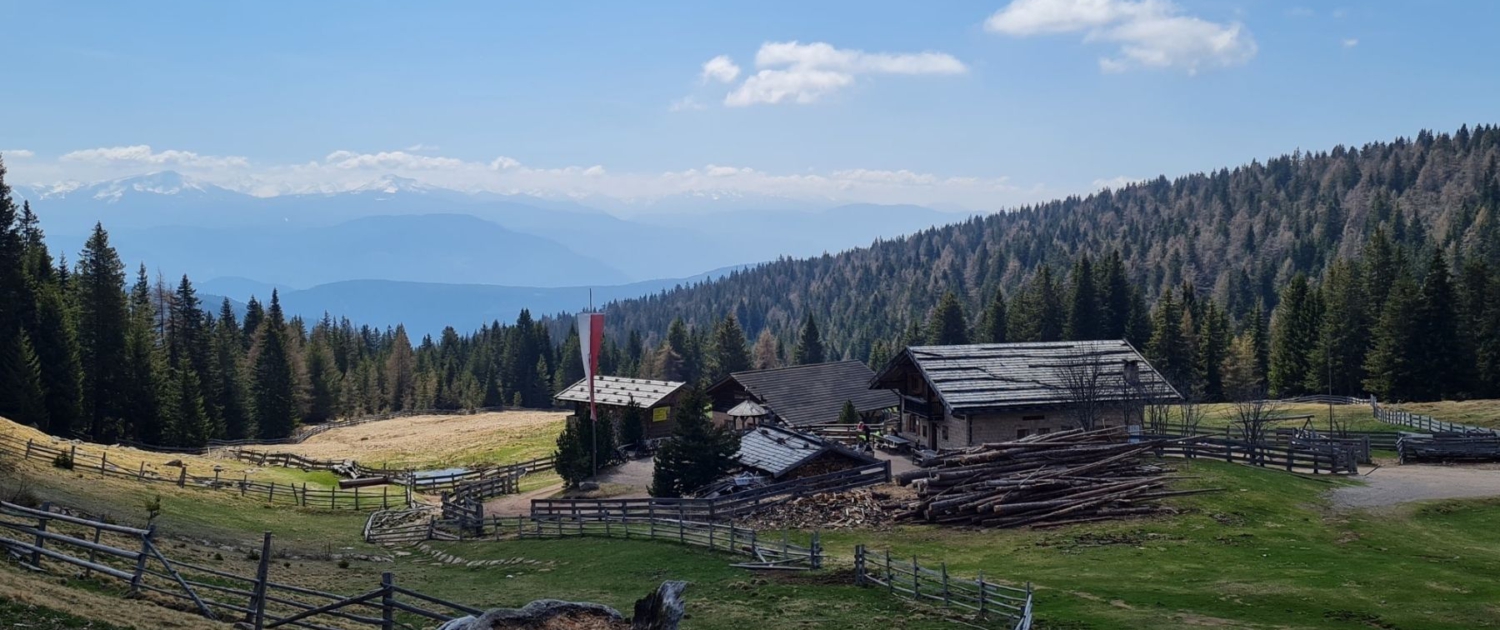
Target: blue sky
{"x":974,"y":104}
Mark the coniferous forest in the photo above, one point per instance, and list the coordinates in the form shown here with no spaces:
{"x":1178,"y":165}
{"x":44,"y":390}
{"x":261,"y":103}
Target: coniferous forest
{"x":1358,"y":270}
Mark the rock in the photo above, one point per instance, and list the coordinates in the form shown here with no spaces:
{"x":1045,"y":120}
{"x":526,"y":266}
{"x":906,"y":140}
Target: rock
{"x":661,"y":610}
{"x":588,"y":486}
{"x":176,"y":463}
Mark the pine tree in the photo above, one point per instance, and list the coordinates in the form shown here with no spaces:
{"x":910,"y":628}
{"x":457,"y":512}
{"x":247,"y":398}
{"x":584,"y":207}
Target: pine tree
{"x":730,"y":352}
{"x":324,"y":380}
{"x":22,"y":398}
{"x":1259,"y":333}
{"x":1390,"y":372}
{"x":56,"y":344}
{"x":229,"y":392}
{"x":848,"y":414}
{"x":572,"y":459}
{"x":1337,"y":360}
{"x":1293,"y":335}
{"x":103,"y":321}
{"x":254,"y":315}
{"x":146,"y":414}
{"x":1115,"y":294}
{"x":699,"y":452}
{"x":1442,"y":360}
{"x":400,"y":370}
{"x":809,"y":347}
{"x":632,"y":424}
{"x":992,"y":324}
{"x":273,"y":385}
{"x":1212,"y":351}
{"x":948,"y":326}
{"x":1083,"y":322}
{"x":1169,"y":350}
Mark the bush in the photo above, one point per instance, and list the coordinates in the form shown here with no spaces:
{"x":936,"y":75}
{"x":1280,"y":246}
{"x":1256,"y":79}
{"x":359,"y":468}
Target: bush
{"x":64,"y":460}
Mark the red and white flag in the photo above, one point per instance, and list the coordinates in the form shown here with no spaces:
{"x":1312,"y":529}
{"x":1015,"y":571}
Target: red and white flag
{"x":590,"y":342}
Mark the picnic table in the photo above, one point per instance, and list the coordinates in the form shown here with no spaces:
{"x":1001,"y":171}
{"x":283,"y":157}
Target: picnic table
{"x":893,"y":443}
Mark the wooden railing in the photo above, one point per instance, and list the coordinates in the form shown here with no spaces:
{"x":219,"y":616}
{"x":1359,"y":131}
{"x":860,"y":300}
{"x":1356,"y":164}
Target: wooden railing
{"x":988,"y":601}
{"x":87,"y":461}
{"x":1330,"y":459}
{"x":1426,"y":424}
{"x":725,"y":507}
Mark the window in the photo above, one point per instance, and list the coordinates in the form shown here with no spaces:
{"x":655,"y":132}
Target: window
{"x":945,"y":432}
{"x":1033,"y":418}
{"x":1043,"y":431}
{"x":1020,"y":433}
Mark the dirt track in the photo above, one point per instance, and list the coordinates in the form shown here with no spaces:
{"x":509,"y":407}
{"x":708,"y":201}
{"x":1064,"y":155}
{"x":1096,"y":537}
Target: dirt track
{"x":1392,"y":485}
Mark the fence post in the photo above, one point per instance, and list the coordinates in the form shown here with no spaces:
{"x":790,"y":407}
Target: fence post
{"x":92,"y":553}
{"x":981,"y":594}
{"x":859,"y":565}
{"x":916,"y":584}
{"x":73,"y":454}
{"x":387,"y":602}
{"x":103,"y":460}
{"x":945,"y":584}
{"x":258,"y":598}
{"x":890,"y":577}
{"x":41,"y":541}
{"x":28,"y":449}
{"x":816,"y":553}
{"x":244,"y":481}
{"x":140,"y":562}
{"x":356,"y":498}
{"x":182,"y":476}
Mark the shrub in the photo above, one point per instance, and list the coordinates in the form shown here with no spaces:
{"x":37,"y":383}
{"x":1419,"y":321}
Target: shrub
{"x":64,"y":460}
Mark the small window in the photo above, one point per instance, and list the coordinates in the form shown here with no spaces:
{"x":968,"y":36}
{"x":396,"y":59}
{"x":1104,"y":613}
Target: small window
{"x":945,"y":432}
{"x":1020,"y":433}
{"x":1043,"y":431}
{"x":1033,"y":418}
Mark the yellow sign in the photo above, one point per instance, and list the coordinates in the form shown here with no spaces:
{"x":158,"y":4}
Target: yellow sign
{"x":660,"y":414}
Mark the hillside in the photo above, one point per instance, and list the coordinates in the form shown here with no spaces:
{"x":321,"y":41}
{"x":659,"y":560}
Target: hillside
{"x":1236,"y":234}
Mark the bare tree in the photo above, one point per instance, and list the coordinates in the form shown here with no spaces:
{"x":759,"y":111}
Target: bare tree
{"x":1253,"y":414}
{"x":1190,"y":413}
{"x":1090,"y":388}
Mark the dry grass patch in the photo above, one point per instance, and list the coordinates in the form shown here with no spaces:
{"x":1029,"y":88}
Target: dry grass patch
{"x":55,"y":594}
{"x":429,"y":441}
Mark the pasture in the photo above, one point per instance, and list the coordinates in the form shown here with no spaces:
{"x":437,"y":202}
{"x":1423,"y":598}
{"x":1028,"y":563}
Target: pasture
{"x":438,"y":441}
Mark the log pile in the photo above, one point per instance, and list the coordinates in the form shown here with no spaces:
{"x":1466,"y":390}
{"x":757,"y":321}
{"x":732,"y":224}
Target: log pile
{"x":853,"y":509}
{"x":1041,"y":480}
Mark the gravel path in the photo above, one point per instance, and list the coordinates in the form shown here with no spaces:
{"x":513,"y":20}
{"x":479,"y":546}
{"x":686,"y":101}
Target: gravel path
{"x":1391,"y":485}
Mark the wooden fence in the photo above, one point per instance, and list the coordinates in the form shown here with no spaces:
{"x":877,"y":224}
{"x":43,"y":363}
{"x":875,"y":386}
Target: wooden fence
{"x":1427,"y":424}
{"x":84,"y":460}
{"x":52,"y":540}
{"x":1449,"y":447}
{"x":988,"y":601}
{"x":1317,"y":459}
{"x":725,"y":507}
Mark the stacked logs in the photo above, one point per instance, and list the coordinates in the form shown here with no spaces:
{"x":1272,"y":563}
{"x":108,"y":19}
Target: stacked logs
{"x":1041,"y":480}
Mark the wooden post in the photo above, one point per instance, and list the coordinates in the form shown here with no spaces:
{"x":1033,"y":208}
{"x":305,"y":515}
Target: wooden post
{"x":945,"y":584}
{"x":890,"y":577}
{"x":387,"y":602}
{"x":142,"y":473}
{"x":258,"y":598}
{"x":92,"y":553}
{"x":41,"y":541}
{"x":916,"y":586}
{"x":73,"y":454}
{"x":103,"y":459}
{"x":859,"y":565}
{"x":356,"y":499}
{"x":731,"y":537}
{"x":28,"y":449}
{"x":244,"y":481}
{"x":182,"y":476}
{"x":981,"y":594}
{"x":140,"y":561}
{"x":271,"y":494}
{"x":385,"y":501}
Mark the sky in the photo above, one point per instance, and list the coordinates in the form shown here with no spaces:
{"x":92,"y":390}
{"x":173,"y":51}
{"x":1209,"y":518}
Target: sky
{"x":964,"y":104}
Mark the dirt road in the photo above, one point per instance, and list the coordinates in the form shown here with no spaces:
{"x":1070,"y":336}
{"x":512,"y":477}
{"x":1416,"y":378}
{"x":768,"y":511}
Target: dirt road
{"x":1391,"y":485}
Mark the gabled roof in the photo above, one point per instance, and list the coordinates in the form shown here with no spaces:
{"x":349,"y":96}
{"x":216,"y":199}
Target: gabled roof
{"x":748,"y":409}
{"x":618,"y":391}
{"x":812,"y":394}
{"x":777,"y":451}
{"x":986,"y":377}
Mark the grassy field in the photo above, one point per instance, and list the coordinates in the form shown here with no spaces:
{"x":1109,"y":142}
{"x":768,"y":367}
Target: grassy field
{"x":439,"y":441}
{"x":1479,"y":413}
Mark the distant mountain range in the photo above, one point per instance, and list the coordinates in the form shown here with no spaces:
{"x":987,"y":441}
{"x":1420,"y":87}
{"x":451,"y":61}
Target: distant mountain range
{"x":385,"y":246}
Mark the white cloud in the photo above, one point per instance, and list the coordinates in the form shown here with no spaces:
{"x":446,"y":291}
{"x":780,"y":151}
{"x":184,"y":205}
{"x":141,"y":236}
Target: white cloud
{"x":142,"y":154}
{"x":1349,"y":42}
{"x":720,"y":69}
{"x":685,"y":104}
{"x":18,"y":154}
{"x":503,"y":163}
{"x":793,"y":72}
{"x":388,"y":160}
{"x":421,"y":148}
{"x":1148,"y":33}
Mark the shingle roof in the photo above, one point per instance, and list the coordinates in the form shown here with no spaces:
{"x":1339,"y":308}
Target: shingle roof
{"x":813,"y":394}
{"x":978,"y":377}
{"x":776,"y":450}
{"x":615,"y":390}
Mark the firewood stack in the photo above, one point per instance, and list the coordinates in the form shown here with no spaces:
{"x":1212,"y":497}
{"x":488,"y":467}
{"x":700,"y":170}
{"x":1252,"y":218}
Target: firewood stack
{"x":1042,"y":480}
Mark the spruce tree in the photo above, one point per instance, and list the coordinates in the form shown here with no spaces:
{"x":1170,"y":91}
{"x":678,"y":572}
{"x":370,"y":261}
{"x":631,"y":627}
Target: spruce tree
{"x":1390,"y":371}
{"x":146,"y":414}
{"x":1083,"y":322}
{"x":730,"y":352}
{"x":1442,"y":361}
{"x":1293,"y":335}
{"x":103,"y":323}
{"x":632,"y":424}
{"x":254,"y":315}
{"x":1337,"y":359}
{"x":1168,"y":350}
{"x":948,"y":326}
{"x":992,"y":324}
{"x":1212,"y":351}
{"x":848,"y":414}
{"x":22,"y":398}
{"x":273,"y":385}
{"x":809,"y":348}
{"x":699,"y":452}
{"x":324,"y":381}
{"x":1259,"y":333}
{"x":1115,"y":295}
{"x":56,"y":344}
{"x":400,"y":372}
{"x":230,"y":393}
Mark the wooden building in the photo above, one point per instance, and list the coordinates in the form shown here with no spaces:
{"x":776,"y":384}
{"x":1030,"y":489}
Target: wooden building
{"x":957,"y":396}
{"x":783,"y":454}
{"x":613,"y":394}
{"x":802,"y":395}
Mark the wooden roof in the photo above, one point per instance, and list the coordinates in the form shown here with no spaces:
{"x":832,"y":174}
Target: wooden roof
{"x":619,"y":391}
{"x":988,"y":377}
{"x":811,"y":394}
